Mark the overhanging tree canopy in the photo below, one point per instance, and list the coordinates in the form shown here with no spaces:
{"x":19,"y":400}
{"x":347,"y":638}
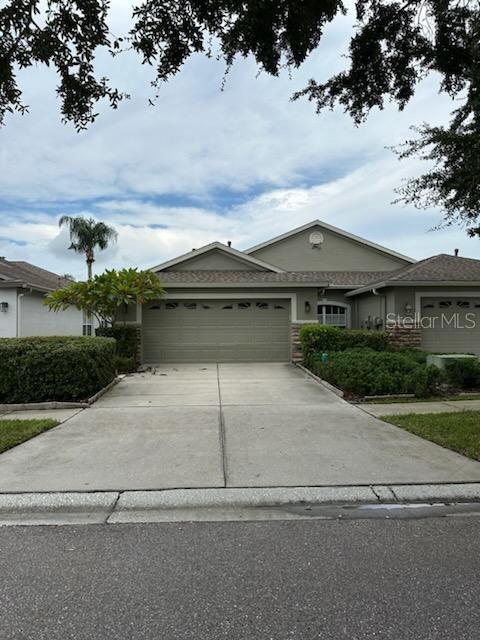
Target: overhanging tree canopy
{"x":108,"y":295}
{"x":394,"y":45}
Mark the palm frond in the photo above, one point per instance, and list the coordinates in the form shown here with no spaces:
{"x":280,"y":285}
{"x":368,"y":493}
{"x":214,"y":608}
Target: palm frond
{"x":86,"y":234}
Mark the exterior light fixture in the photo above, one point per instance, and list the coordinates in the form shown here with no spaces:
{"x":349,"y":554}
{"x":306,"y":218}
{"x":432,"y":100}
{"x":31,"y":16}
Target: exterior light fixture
{"x":408,"y":308}
{"x":307,"y":307}
{"x":3,"y":307}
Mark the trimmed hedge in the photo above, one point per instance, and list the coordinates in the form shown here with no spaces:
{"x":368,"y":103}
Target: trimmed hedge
{"x":54,"y":368}
{"x":464,"y":374}
{"x":127,"y":346}
{"x":317,"y":338}
{"x":364,"y":372}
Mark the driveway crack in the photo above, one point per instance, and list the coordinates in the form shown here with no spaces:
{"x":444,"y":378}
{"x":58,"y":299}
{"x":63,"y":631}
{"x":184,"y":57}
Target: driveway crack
{"x":221,"y":421}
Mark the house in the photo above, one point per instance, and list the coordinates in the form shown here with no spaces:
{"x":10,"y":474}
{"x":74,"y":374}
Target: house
{"x":222,"y":304}
{"x":23,"y":287}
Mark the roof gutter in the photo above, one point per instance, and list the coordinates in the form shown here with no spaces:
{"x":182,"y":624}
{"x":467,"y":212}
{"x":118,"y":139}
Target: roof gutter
{"x":17,"y":284}
{"x":367,"y":289}
{"x":414,"y":283}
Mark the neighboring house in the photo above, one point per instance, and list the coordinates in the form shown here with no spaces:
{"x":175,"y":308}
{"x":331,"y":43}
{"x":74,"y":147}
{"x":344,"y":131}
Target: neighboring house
{"x":227,"y":305}
{"x":23,"y":287}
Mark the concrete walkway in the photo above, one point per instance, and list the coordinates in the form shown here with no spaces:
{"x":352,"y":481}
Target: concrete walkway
{"x":231,"y":425}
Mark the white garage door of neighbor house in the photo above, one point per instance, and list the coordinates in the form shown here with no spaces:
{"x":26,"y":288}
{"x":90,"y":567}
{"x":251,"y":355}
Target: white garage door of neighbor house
{"x":216,"y":331}
{"x":455,"y":325}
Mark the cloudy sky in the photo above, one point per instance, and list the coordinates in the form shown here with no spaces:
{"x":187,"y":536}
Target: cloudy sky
{"x":242,"y":164}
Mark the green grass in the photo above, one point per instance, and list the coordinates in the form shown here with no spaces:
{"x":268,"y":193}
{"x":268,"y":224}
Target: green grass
{"x":399,"y":399}
{"x":13,"y":432}
{"x":459,"y":431}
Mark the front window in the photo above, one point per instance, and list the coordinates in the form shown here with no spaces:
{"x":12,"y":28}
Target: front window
{"x":332,"y":314}
{"x":87,"y":330}
{"x":87,"y":325}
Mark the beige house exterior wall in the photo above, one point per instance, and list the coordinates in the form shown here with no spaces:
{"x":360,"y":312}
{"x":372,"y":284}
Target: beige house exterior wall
{"x":214,"y":261}
{"x":337,"y":253}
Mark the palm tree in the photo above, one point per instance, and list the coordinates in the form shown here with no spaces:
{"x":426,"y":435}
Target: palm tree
{"x":86,"y":235}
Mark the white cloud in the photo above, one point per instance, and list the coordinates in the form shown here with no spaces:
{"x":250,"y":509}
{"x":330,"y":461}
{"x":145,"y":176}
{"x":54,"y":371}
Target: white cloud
{"x":280,"y":162}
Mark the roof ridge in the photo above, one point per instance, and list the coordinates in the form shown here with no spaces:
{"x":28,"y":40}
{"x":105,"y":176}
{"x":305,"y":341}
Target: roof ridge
{"x":412,"y":267}
{"x":448,"y":255}
{"x":234,"y":253}
{"x":29,"y":266}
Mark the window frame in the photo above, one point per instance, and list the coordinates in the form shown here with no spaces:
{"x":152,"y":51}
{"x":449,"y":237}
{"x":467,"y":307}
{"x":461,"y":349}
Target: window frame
{"x":321,"y":316}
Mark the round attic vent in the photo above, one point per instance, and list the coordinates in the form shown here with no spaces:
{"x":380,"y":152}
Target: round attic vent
{"x":316,"y":239}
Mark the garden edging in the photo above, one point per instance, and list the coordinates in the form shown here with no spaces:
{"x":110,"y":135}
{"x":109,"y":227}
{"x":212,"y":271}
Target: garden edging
{"x":324,"y":383}
{"x":41,"y":406}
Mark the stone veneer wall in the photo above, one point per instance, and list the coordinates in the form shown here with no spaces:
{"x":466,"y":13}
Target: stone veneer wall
{"x":296,"y":353}
{"x":139,"y":343}
{"x":405,"y":335}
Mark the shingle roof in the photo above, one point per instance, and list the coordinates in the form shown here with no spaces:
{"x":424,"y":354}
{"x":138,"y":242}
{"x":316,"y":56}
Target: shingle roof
{"x":441,"y":268}
{"x":235,"y":277}
{"x":24,"y":273}
{"x":320,"y":278}
{"x":346,"y":278}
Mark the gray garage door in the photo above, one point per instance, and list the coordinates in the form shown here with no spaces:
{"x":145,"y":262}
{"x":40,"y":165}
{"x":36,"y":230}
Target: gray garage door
{"x":216,"y":331}
{"x":453,"y":325}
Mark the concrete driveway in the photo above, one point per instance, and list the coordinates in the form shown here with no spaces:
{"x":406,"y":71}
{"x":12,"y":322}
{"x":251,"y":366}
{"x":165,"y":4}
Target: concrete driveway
{"x":235,"y":425}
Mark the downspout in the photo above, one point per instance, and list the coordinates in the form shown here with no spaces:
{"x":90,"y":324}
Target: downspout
{"x":19,"y":296}
{"x":383,"y":308}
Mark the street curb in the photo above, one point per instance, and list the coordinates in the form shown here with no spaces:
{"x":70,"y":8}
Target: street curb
{"x":170,"y":505}
{"x":56,"y":508}
{"x":239,"y":497}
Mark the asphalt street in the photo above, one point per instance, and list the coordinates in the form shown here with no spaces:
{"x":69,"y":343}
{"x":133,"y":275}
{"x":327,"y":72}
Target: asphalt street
{"x":357,"y":579}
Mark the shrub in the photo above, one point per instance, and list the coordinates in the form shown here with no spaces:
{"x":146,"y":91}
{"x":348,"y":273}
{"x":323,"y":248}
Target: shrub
{"x":317,"y":338}
{"x":368,"y":372}
{"x":54,"y":368}
{"x":414,"y":354}
{"x":464,"y":374}
{"x":126,"y":337}
{"x":125,"y":365}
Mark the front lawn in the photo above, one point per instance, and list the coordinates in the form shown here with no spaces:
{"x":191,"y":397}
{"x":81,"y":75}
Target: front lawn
{"x":13,"y":432}
{"x":459,"y":431}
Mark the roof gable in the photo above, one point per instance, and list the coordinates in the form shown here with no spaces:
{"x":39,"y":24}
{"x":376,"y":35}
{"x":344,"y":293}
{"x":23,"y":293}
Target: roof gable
{"x":216,"y":256}
{"x":336,"y":251}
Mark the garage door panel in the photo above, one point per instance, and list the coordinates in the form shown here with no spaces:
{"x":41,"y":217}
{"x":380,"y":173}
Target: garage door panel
{"x":451,"y":324}
{"x":217,"y":331}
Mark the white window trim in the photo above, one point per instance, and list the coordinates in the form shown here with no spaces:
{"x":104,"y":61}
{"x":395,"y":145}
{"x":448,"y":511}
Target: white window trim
{"x":335,"y":303}
{"x":442,"y":294}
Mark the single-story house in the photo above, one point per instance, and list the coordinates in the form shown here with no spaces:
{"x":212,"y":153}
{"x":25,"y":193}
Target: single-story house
{"x":222,"y":304}
{"x":23,"y":287}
